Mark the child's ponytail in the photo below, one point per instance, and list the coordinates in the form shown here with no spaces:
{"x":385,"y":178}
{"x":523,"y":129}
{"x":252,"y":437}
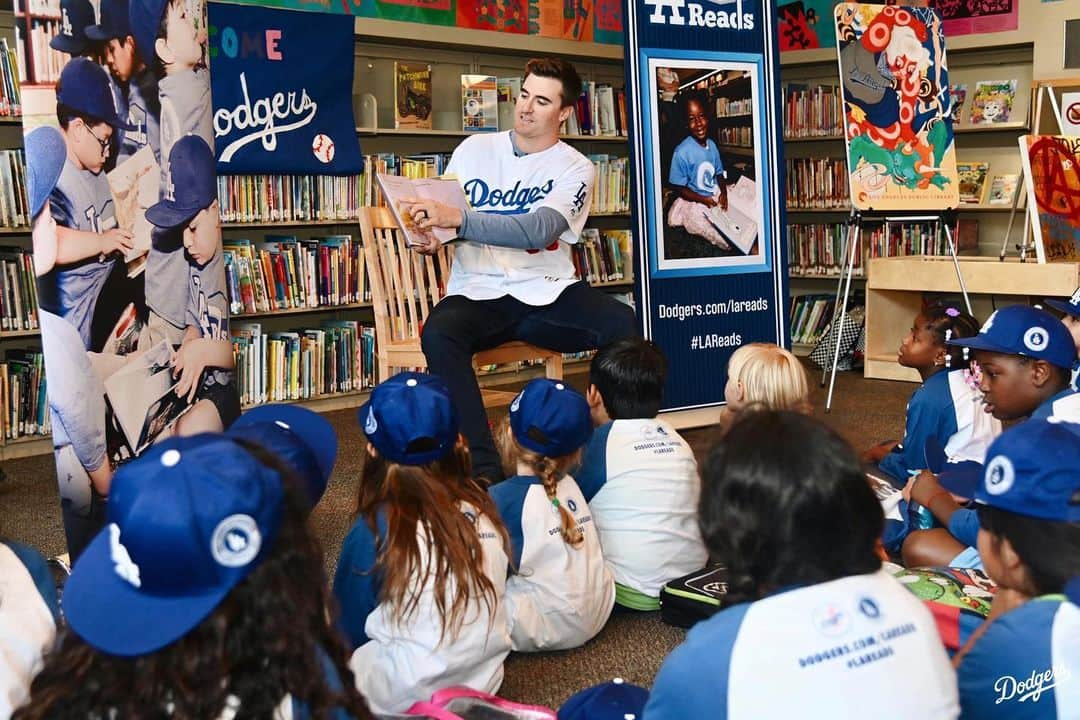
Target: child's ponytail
{"x":548,"y":471}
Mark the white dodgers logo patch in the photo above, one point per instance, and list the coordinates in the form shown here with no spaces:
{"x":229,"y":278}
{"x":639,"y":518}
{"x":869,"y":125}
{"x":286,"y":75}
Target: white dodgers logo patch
{"x":1036,"y":339}
{"x":999,"y":475}
{"x":236,"y":541}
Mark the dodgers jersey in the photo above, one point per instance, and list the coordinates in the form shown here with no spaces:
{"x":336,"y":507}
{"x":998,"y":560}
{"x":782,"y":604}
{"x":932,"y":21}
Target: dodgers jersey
{"x":1026,"y":666}
{"x":81,"y":200}
{"x":143,"y":110}
{"x":947,"y":408}
{"x":641,"y":481}
{"x":1065,"y":406}
{"x":860,"y":645}
{"x":398,"y":663}
{"x":560,"y":596}
{"x":27,"y":626}
{"x":495,"y":180}
{"x":696,"y":167}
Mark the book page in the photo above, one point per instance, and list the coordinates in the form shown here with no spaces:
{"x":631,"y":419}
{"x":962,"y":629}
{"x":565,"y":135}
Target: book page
{"x":138,"y":393}
{"x":444,"y":190}
{"x":134,"y":187}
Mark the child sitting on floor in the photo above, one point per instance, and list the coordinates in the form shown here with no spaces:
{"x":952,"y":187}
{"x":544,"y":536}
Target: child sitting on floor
{"x":764,"y":375}
{"x":561,"y":592}
{"x":638,"y":475}
{"x":423,"y":570}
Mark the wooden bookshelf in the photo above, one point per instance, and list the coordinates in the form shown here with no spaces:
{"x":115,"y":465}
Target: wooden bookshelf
{"x":287,"y":223}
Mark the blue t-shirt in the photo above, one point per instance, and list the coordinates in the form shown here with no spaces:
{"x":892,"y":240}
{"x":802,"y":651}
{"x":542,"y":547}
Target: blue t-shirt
{"x":696,"y":167}
{"x":1026,"y":666}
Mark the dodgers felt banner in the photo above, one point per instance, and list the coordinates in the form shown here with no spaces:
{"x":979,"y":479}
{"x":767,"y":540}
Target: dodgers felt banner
{"x":282,"y":89}
{"x":709,"y":216}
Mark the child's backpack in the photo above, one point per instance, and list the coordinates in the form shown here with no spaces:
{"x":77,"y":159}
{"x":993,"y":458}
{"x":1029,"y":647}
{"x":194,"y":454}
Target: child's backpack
{"x":463,"y":703}
{"x":697,"y":596}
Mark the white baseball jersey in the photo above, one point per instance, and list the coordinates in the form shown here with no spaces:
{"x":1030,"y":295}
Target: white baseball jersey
{"x":860,"y":645}
{"x":641,"y":482}
{"x":27,"y":628}
{"x":496,"y":180}
{"x":560,"y":596}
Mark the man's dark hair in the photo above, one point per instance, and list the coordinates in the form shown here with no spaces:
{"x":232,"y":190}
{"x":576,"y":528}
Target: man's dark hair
{"x":1050,"y":550}
{"x":561,"y":70}
{"x":784,"y":501}
{"x":630,"y":375}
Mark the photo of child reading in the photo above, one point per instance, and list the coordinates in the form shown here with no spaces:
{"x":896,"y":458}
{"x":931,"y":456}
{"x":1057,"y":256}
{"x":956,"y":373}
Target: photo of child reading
{"x":706,"y":154}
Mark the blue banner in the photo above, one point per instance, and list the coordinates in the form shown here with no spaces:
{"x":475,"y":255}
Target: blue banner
{"x":706,"y":139}
{"x":282,"y":90}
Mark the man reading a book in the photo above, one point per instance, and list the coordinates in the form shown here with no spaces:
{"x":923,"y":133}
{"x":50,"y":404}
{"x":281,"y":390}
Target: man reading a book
{"x":512,"y":276}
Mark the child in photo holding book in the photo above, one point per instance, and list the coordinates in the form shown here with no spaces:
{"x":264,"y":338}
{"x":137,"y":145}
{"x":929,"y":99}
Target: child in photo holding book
{"x":561,"y":592}
{"x":697,"y":175}
{"x":189,"y":216}
{"x":422,"y":572}
{"x":639,"y":475}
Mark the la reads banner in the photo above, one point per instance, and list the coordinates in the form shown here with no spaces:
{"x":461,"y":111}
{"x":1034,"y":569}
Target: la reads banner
{"x":708,"y":185}
{"x":282,"y":89}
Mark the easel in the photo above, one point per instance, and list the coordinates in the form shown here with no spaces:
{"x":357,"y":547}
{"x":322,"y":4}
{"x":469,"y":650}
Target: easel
{"x":1038,"y":89}
{"x":946,"y":218}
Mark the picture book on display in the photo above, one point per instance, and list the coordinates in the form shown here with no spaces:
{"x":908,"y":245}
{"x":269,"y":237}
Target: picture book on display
{"x":143,"y":399}
{"x":134,"y":186}
{"x":507,"y":91}
{"x":1003,"y":189}
{"x":445,"y":190}
{"x":972,"y":181}
{"x":479,"y":103}
{"x":957,"y":95}
{"x":736,"y":223}
{"x":412,"y":96}
{"x":992,"y":101}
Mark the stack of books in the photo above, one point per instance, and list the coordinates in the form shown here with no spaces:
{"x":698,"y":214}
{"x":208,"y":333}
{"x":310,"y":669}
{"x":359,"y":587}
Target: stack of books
{"x":18,"y":290}
{"x":24,"y":409}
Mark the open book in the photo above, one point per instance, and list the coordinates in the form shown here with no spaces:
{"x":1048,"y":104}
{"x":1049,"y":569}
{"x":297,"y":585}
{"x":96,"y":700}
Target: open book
{"x":887,"y":495}
{"x":737,"y":223}
{"x":142,"y":397}
{"x":445,"y":190}
{"x":134,"y":185}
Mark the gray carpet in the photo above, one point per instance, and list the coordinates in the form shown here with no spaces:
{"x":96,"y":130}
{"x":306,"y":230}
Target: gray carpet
{"x":632,"y":646}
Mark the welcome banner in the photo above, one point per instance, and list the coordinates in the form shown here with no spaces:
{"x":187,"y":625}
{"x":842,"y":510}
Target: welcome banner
{"x":282,"y":89}
{"x":706,"y":136}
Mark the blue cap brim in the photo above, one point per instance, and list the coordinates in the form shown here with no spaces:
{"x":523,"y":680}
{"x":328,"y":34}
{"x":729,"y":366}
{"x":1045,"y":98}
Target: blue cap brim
{"x":961,"y":478}
{"x":164,"y":215}
{"x":1062,"y":306}
{"x":113,"y":616}
{"x":980,"y":342}
{"x":99,"y":33}
{"x":69,"y":45}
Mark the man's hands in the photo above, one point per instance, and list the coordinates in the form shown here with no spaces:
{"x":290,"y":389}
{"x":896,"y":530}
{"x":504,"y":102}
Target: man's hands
{"x":427,"y":214}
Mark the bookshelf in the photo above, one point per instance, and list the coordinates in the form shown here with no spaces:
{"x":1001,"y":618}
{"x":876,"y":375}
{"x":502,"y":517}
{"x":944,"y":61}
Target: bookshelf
{"x":813,"y":138}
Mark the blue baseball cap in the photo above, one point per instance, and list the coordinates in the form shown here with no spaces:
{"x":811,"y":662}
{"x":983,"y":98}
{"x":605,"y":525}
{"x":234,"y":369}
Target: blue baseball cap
{"x":75,"y":17}
{"x":1027,"y":331}
{"x":190,"y":183}
{"x":550,"y":418}
{"x":144,"y":18}
{"x":410,"y":419}
{"x":303,"y":439}
{"x":114,"y":21}
{"x":1069,"y":307}
{"x":960,"y":477}
{"x":615,"y":700}
{"x":1032,"y":469}
{"x":46,"y":153}
{"x":187,"y":521}
{"x":84,"y":87}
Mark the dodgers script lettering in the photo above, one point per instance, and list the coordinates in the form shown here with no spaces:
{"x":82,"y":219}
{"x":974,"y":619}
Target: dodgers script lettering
{"x":293,"y":109}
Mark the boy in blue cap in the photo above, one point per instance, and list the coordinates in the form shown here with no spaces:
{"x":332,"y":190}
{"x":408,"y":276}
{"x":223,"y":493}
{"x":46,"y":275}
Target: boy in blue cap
{"x":75,"y":17}
{"x":137,"y":82}
{"x":1025,"y":660}
{"x":1025,"y":355}
{"x":1071,"y":318}
{"x":189,"y":216}
{"x":87,"y":235}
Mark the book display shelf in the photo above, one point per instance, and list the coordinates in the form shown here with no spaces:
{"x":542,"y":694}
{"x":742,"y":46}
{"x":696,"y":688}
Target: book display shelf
{"x":817,"y":193}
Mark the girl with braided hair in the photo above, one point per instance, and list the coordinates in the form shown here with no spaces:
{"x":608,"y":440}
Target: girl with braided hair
{"x":561,"y":592}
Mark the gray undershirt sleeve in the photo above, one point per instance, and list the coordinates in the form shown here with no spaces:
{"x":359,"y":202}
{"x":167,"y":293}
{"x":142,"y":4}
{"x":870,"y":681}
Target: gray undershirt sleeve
{"x":531,"y":231}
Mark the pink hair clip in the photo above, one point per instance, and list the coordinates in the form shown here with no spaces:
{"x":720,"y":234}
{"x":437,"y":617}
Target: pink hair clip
{"x":952,"y":312}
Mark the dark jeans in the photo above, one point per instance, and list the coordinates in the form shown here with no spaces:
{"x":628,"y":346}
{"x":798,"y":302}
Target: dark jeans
{"x":582,"y":318}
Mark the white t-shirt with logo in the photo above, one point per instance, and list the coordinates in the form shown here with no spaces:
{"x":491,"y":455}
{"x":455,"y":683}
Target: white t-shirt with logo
{"x":496,"y":180}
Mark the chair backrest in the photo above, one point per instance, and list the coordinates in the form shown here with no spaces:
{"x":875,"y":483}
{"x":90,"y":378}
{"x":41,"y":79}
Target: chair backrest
{"x":405,"y":285}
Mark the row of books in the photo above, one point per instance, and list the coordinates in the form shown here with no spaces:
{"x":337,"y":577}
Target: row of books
{"x":611,"y":194}
{"x":600,"y":110}
{"x":282,"y":272}
{"x":604,"y":255}
{"x":810,"y":316}
{"x":18,"y":290}
{"x":812,"y":112}
{"x":24,"y":410}
{"x":13,"y":208}
{"x":338,"y":356}
{"x":10,"y":94}
{"x":915,"y":238}
{"x":817,"y":183}
{"x":50,"y":8}
{"x":288,"y":198}
{"x":40,"y":64}
{"x":726,"y":107}
{"x":742,"y":135}
{"x":817,"y":249}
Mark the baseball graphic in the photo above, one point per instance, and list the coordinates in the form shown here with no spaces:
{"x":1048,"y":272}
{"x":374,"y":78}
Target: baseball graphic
{"x":323,"y":148}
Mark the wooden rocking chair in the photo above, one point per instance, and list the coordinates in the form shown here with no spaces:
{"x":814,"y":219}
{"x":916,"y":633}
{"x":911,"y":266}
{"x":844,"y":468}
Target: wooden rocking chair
{"x":405,"y":286}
